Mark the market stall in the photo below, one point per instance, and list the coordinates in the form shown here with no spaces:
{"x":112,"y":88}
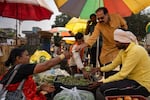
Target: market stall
{"x":59,"y":77}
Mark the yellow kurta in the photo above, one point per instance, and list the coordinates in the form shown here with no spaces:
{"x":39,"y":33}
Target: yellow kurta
{"x":109,"y":50}
{"x":135,"y":66}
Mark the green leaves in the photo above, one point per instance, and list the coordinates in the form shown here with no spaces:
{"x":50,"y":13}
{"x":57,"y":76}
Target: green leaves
{"x":137,"y":24}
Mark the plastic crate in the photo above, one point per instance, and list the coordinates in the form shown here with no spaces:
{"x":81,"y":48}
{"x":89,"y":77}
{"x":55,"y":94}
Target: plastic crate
{"x":126,"y":97}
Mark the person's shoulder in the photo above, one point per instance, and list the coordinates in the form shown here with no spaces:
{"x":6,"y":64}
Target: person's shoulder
{"x":25,"y":68}
{"x":114,"y":15}
{"x":137,"y":48}
{"x":27,"y":65}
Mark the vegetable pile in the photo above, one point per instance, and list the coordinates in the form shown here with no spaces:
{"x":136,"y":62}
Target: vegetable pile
{"x":74,"y":81}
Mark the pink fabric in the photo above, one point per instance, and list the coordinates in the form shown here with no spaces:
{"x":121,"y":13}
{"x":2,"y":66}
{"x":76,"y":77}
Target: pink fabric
{"x":124,"y":36}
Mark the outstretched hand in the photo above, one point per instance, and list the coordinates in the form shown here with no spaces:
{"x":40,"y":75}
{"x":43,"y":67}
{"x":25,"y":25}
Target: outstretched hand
{"x":47,"y":88}
{"x":86,"y":74}
{"x":81,"y":46}
{"x":67,"y":54}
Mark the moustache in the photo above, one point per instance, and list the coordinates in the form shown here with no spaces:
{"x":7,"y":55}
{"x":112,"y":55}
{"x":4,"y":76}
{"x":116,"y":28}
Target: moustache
{"x":101,"y":21}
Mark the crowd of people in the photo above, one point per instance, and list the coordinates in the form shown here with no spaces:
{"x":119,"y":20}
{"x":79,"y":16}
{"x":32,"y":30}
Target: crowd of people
{"x":119,"y":47}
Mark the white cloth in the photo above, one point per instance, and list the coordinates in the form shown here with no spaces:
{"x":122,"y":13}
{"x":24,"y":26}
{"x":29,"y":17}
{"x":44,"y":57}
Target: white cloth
{"x":75,"y":59}
{"x":124,"y":36}
{"x":1,"y":53}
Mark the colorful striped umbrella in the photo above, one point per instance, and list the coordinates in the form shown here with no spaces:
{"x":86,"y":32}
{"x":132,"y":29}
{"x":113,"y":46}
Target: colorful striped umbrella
{"x":137,"y":5}
{"x":83,"y":8}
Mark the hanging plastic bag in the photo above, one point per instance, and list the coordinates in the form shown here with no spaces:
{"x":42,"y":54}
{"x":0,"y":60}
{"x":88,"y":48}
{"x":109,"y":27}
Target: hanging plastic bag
{"x":74,"y":94}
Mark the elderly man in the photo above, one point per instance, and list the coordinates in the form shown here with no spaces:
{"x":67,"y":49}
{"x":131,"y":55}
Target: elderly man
{"x":133,"y":78}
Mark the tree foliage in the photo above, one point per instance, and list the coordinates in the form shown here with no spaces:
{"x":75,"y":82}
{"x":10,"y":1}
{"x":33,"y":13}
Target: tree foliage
{"x":137,"y":24}
{"x":61,"y":20}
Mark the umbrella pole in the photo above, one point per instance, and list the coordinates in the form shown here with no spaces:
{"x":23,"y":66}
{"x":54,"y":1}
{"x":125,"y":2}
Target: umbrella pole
{"x":16,"y":26}
{"x":97,"y":53}
{"x":16,"y":33}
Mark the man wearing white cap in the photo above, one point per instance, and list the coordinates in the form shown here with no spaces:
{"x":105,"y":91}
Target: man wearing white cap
{"x":134,"y":76}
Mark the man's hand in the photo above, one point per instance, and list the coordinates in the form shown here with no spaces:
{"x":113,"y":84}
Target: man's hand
{"x":47,"y":88}
{"x":94,"y":70}
{"x":94,"y":85}
{"x":85,"y":73}
{"x":79,"y":47}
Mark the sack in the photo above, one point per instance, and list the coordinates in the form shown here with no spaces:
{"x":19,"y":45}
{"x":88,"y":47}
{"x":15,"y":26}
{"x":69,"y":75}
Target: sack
{"x":73,"y":94}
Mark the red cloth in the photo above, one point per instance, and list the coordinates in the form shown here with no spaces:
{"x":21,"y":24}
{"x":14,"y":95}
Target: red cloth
{"x":29,"y":90}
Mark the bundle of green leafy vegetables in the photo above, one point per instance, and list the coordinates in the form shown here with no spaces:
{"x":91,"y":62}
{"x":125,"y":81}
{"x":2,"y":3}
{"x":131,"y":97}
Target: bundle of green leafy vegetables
{"x":74,"y":81}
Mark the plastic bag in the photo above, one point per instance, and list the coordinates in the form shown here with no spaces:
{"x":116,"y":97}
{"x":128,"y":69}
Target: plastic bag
{"x":13,"y":95}
{"x":74,"y":94}
{"x":40,"y":56}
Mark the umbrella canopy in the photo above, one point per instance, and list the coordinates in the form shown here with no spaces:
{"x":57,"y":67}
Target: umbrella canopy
{"x":25,"y":9}
{"x":61,"y":30}
{"x":65,"y":34}
{"x":137,"y":5}
{"x":83,"y":8}
{"x":69,"y":40}
{"x":76,"y":25}
{"x":147,"y":28}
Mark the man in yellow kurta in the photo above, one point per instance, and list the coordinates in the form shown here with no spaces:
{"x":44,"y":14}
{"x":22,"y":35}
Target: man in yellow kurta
{"x":106,"y":25}
{"x":134,"y":76}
